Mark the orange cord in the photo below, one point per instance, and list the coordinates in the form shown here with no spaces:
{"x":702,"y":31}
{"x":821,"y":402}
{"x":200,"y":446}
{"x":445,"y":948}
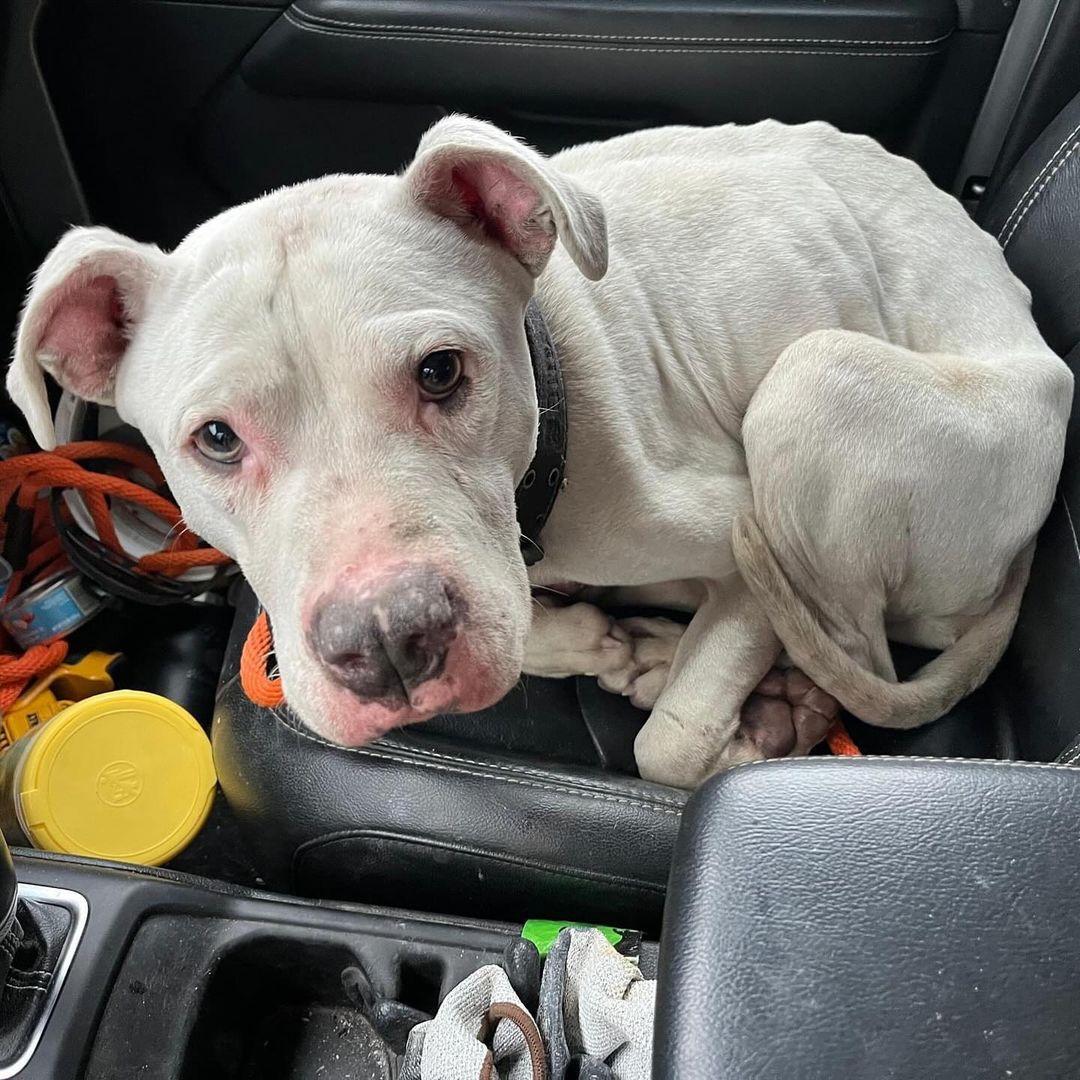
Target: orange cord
{"x":256,"y":683}
{"x":16,"y":671}
{"x":840,"y":743}
{"x":26,"y":477}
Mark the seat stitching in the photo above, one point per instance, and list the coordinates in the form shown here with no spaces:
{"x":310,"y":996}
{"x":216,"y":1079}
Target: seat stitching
{"x":641,"y":802}
{"x":658,"y":39}
{"x":1042,"y":173}
{"x":1071,"y":754}
{"x":916,"y":759}
{"x":390,"y":749}
{"x":523,"y":770}
{"x":412,"y":39}
{"x":1072,"y":528}
{"x":580,"y":873}
{"x":1038,"y":193}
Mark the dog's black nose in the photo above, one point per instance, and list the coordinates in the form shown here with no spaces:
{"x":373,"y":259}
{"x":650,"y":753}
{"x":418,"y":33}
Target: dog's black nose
{"x":382,"y":643}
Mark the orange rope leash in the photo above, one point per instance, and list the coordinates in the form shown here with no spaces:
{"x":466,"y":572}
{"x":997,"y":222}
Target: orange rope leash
{"x":16,"y":671}
{"x":840,"y":743}
{"x":255,"y":681}
{"x":25,"y":478}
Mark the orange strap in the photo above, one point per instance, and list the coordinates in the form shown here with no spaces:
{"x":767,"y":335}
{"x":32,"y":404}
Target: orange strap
{"x":840,"y":743}
{"x":255,"y":681}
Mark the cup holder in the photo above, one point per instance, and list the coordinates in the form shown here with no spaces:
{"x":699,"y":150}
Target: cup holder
{"x":276,"y":990}
{"x":420,"y":978}
{"x":275,"y":1009}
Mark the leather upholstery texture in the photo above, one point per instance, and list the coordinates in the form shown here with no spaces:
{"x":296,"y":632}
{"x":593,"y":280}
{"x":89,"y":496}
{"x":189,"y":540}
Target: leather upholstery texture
{"x":699,"y":60}
{"x":879,"y":918}
{"x":1035,"y":214}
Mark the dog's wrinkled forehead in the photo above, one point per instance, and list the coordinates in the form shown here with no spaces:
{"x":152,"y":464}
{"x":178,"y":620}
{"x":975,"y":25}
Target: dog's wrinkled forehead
{"x":314,"y":290}
{"x":364,"y":218}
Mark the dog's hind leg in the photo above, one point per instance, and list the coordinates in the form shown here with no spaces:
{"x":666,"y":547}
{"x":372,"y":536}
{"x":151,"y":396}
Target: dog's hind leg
{"x":892,"y":486}
{"x":727,"y":650}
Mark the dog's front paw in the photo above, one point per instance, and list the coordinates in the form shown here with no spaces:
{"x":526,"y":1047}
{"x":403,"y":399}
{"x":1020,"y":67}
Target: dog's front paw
{"x":653,"y":643}
{"x":578,"y":639}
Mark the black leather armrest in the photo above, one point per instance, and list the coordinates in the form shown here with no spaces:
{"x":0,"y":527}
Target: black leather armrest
{"x":875,"y":918}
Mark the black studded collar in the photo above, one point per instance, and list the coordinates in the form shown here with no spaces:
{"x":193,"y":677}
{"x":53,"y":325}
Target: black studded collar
{"x":539,"y":487}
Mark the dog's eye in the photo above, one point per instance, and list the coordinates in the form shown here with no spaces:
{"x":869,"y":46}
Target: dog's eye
{"x":218,"y":442}
{"x":439,"y":374}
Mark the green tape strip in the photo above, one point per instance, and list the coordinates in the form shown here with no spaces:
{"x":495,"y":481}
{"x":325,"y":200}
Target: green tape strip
{"x":543,"y":932}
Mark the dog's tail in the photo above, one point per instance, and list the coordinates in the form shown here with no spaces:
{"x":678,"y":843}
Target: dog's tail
{"x":930,"y":693}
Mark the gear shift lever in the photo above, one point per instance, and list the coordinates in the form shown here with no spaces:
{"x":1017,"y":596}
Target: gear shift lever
{"x":38,"y":934}
{"x":9,"y":895}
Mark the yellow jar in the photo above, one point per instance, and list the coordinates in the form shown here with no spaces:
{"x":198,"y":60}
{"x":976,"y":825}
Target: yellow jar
{"x":124,"y":775}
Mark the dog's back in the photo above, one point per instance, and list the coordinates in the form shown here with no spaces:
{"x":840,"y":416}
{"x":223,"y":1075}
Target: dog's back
{"x":807,"y":203}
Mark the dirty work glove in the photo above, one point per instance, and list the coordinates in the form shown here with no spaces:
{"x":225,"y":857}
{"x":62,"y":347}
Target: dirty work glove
{"x":481,"y":1032}
{"x":595,"y":1009}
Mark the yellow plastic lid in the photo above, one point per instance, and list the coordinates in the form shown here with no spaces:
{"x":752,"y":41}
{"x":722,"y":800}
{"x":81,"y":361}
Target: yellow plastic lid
{"x":123,"y":775}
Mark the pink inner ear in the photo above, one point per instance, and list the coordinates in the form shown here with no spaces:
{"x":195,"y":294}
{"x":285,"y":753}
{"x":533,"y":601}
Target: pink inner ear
{"x":505,"y":205}
{"x":84,"y":334}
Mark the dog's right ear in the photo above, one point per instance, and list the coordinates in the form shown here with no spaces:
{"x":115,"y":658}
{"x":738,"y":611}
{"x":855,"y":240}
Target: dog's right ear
{"x":86,"y":298}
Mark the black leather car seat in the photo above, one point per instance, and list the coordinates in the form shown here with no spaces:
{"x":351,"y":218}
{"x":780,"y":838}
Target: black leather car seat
{"x":532,"y":809}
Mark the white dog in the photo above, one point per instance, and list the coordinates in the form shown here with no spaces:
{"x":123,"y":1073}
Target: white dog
{"x":806,"y":399}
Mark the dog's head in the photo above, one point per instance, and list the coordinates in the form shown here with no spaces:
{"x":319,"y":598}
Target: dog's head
{"x":336,"y":383}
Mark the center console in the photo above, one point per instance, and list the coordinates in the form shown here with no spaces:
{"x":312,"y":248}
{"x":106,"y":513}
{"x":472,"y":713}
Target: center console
{"x":826,"y":918}
{"x":159,"y":976}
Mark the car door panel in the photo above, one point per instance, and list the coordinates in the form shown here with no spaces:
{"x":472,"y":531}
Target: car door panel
{"x":696,"y":63}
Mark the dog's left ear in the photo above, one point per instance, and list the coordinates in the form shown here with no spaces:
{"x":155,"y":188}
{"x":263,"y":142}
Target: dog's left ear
{"x":489,"y":183}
